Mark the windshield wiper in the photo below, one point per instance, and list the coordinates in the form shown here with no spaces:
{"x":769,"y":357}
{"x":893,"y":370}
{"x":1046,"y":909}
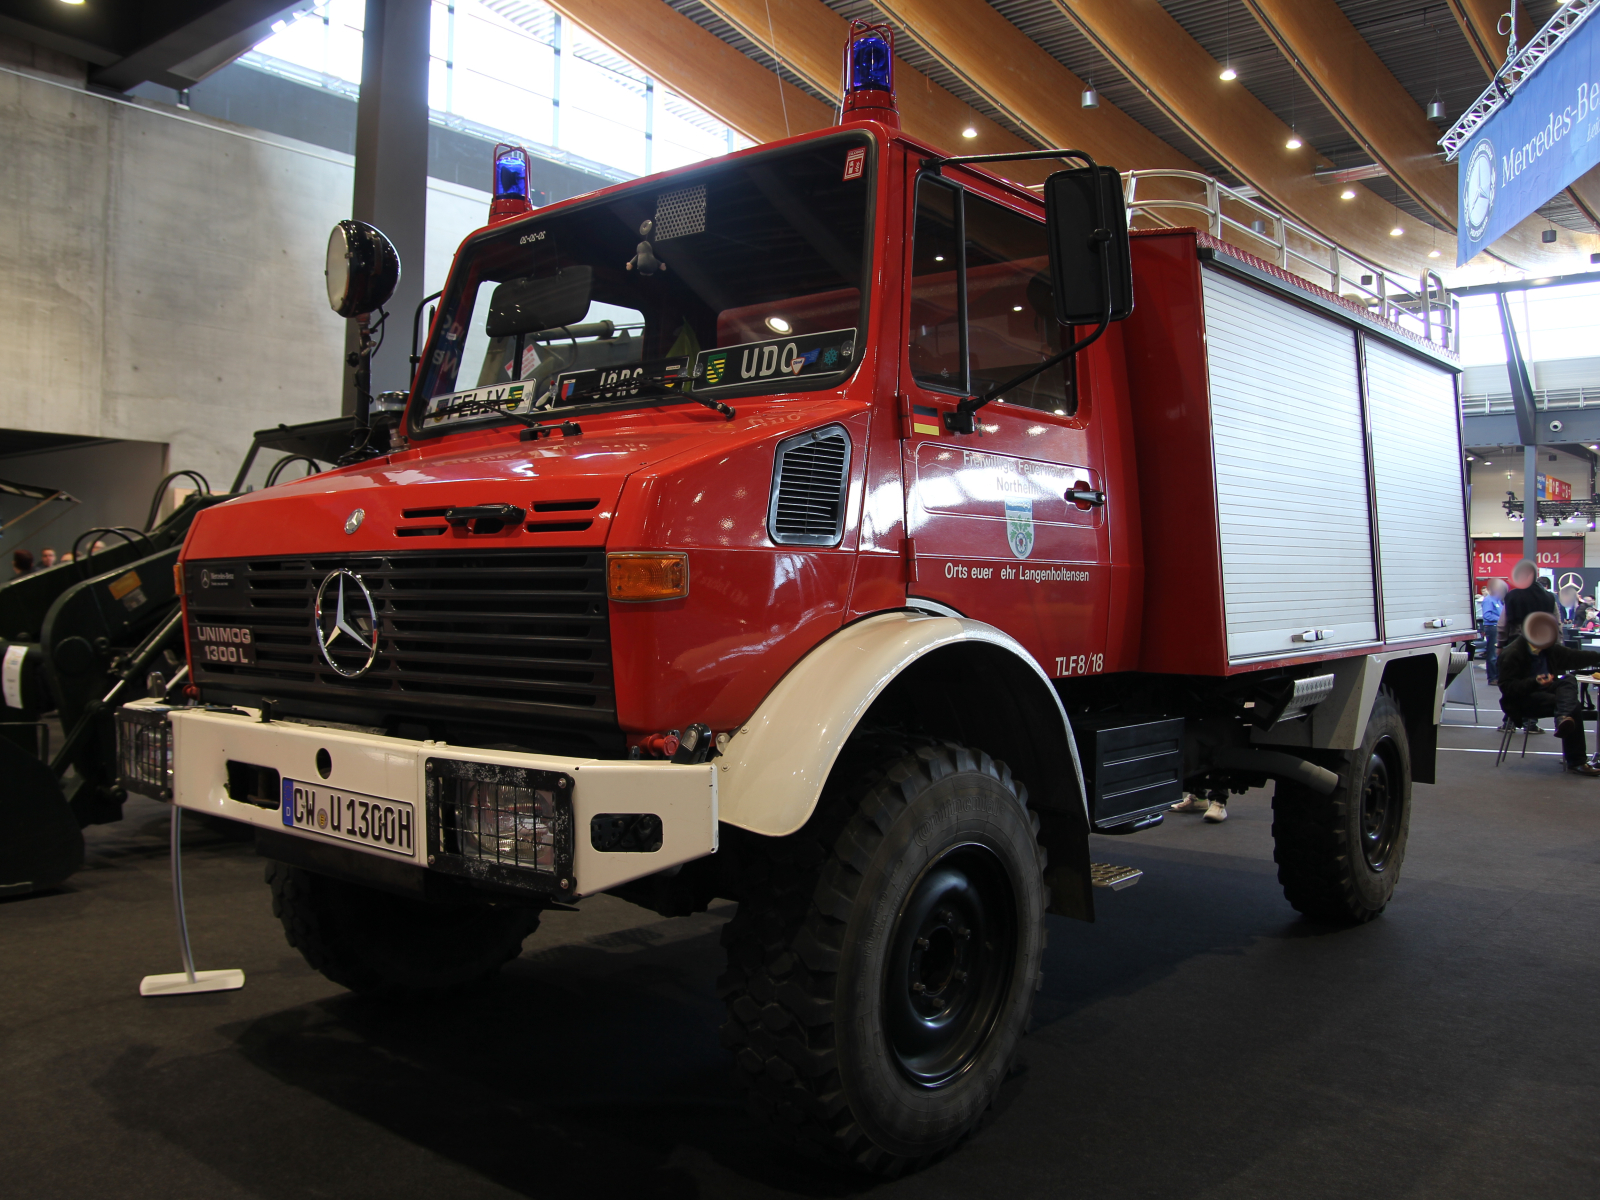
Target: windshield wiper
{"x":649,"y":391}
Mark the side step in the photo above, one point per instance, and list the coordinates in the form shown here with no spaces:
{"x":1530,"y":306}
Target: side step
{"x":1109,"y":875}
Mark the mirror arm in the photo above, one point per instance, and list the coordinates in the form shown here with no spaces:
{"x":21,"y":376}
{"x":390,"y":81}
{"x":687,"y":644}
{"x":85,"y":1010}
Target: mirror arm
{"x":933,"y":164}
{"x":415,"y":318}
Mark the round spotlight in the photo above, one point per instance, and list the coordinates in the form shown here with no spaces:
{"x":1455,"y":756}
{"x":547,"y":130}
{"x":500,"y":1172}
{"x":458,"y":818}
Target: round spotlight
{"x":1348,"y":194}
{"x":1433,"y":254}
{"x":778,"y":325}
{"x":969,"y":132}
{"x":1396,"y":231}
{"x":1228,"y":75}
{"x":1294,"y":142}
{"x":1016,"y":308}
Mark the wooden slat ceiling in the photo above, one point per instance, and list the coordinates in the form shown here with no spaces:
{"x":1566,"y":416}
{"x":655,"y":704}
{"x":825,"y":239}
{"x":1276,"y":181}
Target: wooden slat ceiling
{"x":1014,"y":69}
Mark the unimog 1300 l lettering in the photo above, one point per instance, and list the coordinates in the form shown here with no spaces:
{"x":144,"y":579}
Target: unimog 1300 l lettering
{"x":803,"y":529}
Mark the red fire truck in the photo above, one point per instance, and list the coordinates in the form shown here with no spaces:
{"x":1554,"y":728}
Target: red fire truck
{"x":843,"y":530}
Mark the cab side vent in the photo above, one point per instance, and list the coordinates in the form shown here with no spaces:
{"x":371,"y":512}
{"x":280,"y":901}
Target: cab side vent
{"x":809,"y":481}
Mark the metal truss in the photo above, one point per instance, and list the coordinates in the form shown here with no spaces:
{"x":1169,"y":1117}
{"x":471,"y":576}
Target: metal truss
{"x":1515,"y":73}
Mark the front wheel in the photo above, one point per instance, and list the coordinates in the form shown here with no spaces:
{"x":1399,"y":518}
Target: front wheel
{"x":882,"y":976}
{"x":1339,"y":856}
{"x":374,"y":941}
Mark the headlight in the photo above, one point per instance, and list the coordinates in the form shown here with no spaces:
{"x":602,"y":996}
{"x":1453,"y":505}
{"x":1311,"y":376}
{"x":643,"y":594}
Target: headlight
{"x":506,"y":825}
{"x":509,"y":824}
{"x":144,"y":751}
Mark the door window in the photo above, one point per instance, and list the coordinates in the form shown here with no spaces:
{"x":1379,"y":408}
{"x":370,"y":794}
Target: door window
{"x":986,"y":314}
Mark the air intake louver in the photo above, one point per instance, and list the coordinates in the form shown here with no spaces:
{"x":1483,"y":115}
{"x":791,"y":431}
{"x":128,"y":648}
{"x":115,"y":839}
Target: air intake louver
{"x":809,"y":482}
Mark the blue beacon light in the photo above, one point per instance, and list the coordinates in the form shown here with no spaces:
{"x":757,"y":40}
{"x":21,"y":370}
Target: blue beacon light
{"x":510,"y":184}
{"x":869,"y":75}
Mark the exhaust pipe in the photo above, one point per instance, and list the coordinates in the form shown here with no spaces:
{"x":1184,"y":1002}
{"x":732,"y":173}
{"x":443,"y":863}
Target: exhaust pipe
{"x":1277,"y":765}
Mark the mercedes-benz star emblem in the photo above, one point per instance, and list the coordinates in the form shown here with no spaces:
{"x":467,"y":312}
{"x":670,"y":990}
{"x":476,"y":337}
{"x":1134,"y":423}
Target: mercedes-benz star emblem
{"x":348,"y":635}
{"x":353,"y":521}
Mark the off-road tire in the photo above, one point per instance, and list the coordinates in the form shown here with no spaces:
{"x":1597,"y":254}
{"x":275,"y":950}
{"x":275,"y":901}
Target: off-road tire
{"x":823,"y":955}
{"x":374,"y":941}
{"x":1339,"y":856}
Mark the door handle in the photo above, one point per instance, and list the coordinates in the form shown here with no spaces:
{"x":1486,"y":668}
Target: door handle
{"x":1093,"y":497}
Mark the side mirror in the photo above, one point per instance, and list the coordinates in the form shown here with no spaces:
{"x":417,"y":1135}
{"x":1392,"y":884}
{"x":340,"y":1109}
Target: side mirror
{"x":1080,"y":251}
{"x":363,"y":269}
{"x":534,"y":305}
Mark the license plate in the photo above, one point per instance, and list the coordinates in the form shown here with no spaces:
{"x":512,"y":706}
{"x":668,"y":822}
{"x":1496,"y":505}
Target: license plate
{"x":228,"y":645}
{"x":370,"y":821}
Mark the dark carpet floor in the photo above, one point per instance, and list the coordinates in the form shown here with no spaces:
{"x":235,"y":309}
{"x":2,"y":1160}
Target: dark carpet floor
{"x":1199,"y":1041}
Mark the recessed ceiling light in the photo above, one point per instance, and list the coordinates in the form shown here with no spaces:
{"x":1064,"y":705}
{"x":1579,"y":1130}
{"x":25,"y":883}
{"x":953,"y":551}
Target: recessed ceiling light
{"x":1396,"y":231}
{"x":1228,"y":75}
{"x":1294,"y":142}
{"x":778,"y":325}
{"x":969,"y":131}
{"x":1348,"y":194}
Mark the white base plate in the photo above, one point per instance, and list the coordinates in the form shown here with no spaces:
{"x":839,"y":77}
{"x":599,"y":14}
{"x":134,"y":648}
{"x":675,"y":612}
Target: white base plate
{"x":179,"y":985}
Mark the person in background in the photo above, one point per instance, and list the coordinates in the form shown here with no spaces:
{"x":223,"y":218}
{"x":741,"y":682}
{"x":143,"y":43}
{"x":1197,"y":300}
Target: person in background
{"x":21,"y":563}
{"x":1524,"y":597}
{"x":47,"y":557}
{"x":1215,"y":809}
{"x":1534,"y":680}
{"x":1494,"y":603}
{"x":1569,"y":608}
{"x":99,"y":545}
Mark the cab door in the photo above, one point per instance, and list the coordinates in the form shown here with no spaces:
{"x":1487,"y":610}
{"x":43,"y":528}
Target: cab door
{"x":1006,"y":525}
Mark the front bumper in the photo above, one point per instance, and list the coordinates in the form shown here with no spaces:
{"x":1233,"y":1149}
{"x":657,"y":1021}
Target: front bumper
{"x":185,"y":754}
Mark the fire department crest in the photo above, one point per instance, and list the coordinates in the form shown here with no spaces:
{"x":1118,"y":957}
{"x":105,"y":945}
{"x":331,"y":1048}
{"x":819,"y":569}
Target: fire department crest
{"x":1019,"y":526}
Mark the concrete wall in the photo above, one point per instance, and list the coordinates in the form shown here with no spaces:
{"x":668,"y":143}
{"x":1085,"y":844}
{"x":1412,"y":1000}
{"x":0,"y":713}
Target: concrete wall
{"x":161,"y":273}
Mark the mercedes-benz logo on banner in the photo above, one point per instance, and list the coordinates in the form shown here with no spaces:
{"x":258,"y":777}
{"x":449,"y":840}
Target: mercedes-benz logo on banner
{"x":347,"y":635}
{"x":1570,"y":580}
{"x":1478,"y":188}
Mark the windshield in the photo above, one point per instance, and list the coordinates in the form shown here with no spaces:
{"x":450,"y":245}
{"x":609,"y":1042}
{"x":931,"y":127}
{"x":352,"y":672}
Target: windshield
{"x":746,"y":277}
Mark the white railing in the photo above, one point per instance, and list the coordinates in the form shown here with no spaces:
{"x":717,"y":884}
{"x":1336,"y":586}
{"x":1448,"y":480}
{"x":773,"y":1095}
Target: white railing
{"x":1422,"y":305}
{"x":1483,"y":404}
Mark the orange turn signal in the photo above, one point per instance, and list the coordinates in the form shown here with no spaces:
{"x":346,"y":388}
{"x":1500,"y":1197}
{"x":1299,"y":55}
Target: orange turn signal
{"x":638,"y":575}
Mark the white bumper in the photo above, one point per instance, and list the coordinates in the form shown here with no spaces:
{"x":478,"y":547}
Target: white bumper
{"x":684,"y":797}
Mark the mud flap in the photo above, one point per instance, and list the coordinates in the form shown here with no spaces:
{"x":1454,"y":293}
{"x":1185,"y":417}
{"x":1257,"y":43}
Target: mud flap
{"x":40,"y":842}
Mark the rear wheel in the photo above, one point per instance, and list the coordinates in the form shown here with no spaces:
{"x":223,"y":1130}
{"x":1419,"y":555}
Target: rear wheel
{"x":1339,"y":856}
{"x":882,"y":971}
{"x":370,"y":941}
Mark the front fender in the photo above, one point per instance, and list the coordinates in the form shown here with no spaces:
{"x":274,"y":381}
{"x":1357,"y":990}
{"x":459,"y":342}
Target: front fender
{"x":771,"y":774}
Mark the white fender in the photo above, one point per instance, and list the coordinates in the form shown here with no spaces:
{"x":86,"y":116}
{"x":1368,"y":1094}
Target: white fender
{"x":771,"y":774}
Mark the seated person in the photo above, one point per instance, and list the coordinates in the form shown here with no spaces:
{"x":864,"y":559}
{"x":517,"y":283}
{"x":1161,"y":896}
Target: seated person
{"x":1531,"y":686}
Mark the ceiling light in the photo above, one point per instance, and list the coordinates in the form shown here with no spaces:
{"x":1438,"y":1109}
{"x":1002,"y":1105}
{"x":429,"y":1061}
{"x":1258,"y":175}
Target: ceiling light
{"x":72,"y":1}
{"x":1091,"y":98}
{"x":1016,"y":308}
{"x":1294,"y":142}
{"x":938,"y":258}
{"x":1487,"y":463}
{"x":1436,"y":108}
{"x":1433,"y":254}
{"x":969,"y":131}
{"x":778,"y":325}
{"x":1228,"y":75}
{"x":1396,"y":231}
{"x":1348,"y":194}
{"x":1540,"y":282}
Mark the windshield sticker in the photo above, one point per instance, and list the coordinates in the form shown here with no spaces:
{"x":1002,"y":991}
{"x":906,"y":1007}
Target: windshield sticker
{"x":807,"y":354}
{"x":855,"y":162}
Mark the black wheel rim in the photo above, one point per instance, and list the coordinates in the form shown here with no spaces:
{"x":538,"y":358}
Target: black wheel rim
{"x":1380,"y":807}
{"x":954,"y":947}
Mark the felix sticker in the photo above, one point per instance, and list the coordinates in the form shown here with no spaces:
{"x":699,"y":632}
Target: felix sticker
{"x":1019,"y":526}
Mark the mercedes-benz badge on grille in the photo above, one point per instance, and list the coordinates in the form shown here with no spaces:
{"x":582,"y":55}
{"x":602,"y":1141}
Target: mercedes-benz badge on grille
{"x":348,"y":635}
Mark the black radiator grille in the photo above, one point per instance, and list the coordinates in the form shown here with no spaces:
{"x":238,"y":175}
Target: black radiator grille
{"x":515,"y":632}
